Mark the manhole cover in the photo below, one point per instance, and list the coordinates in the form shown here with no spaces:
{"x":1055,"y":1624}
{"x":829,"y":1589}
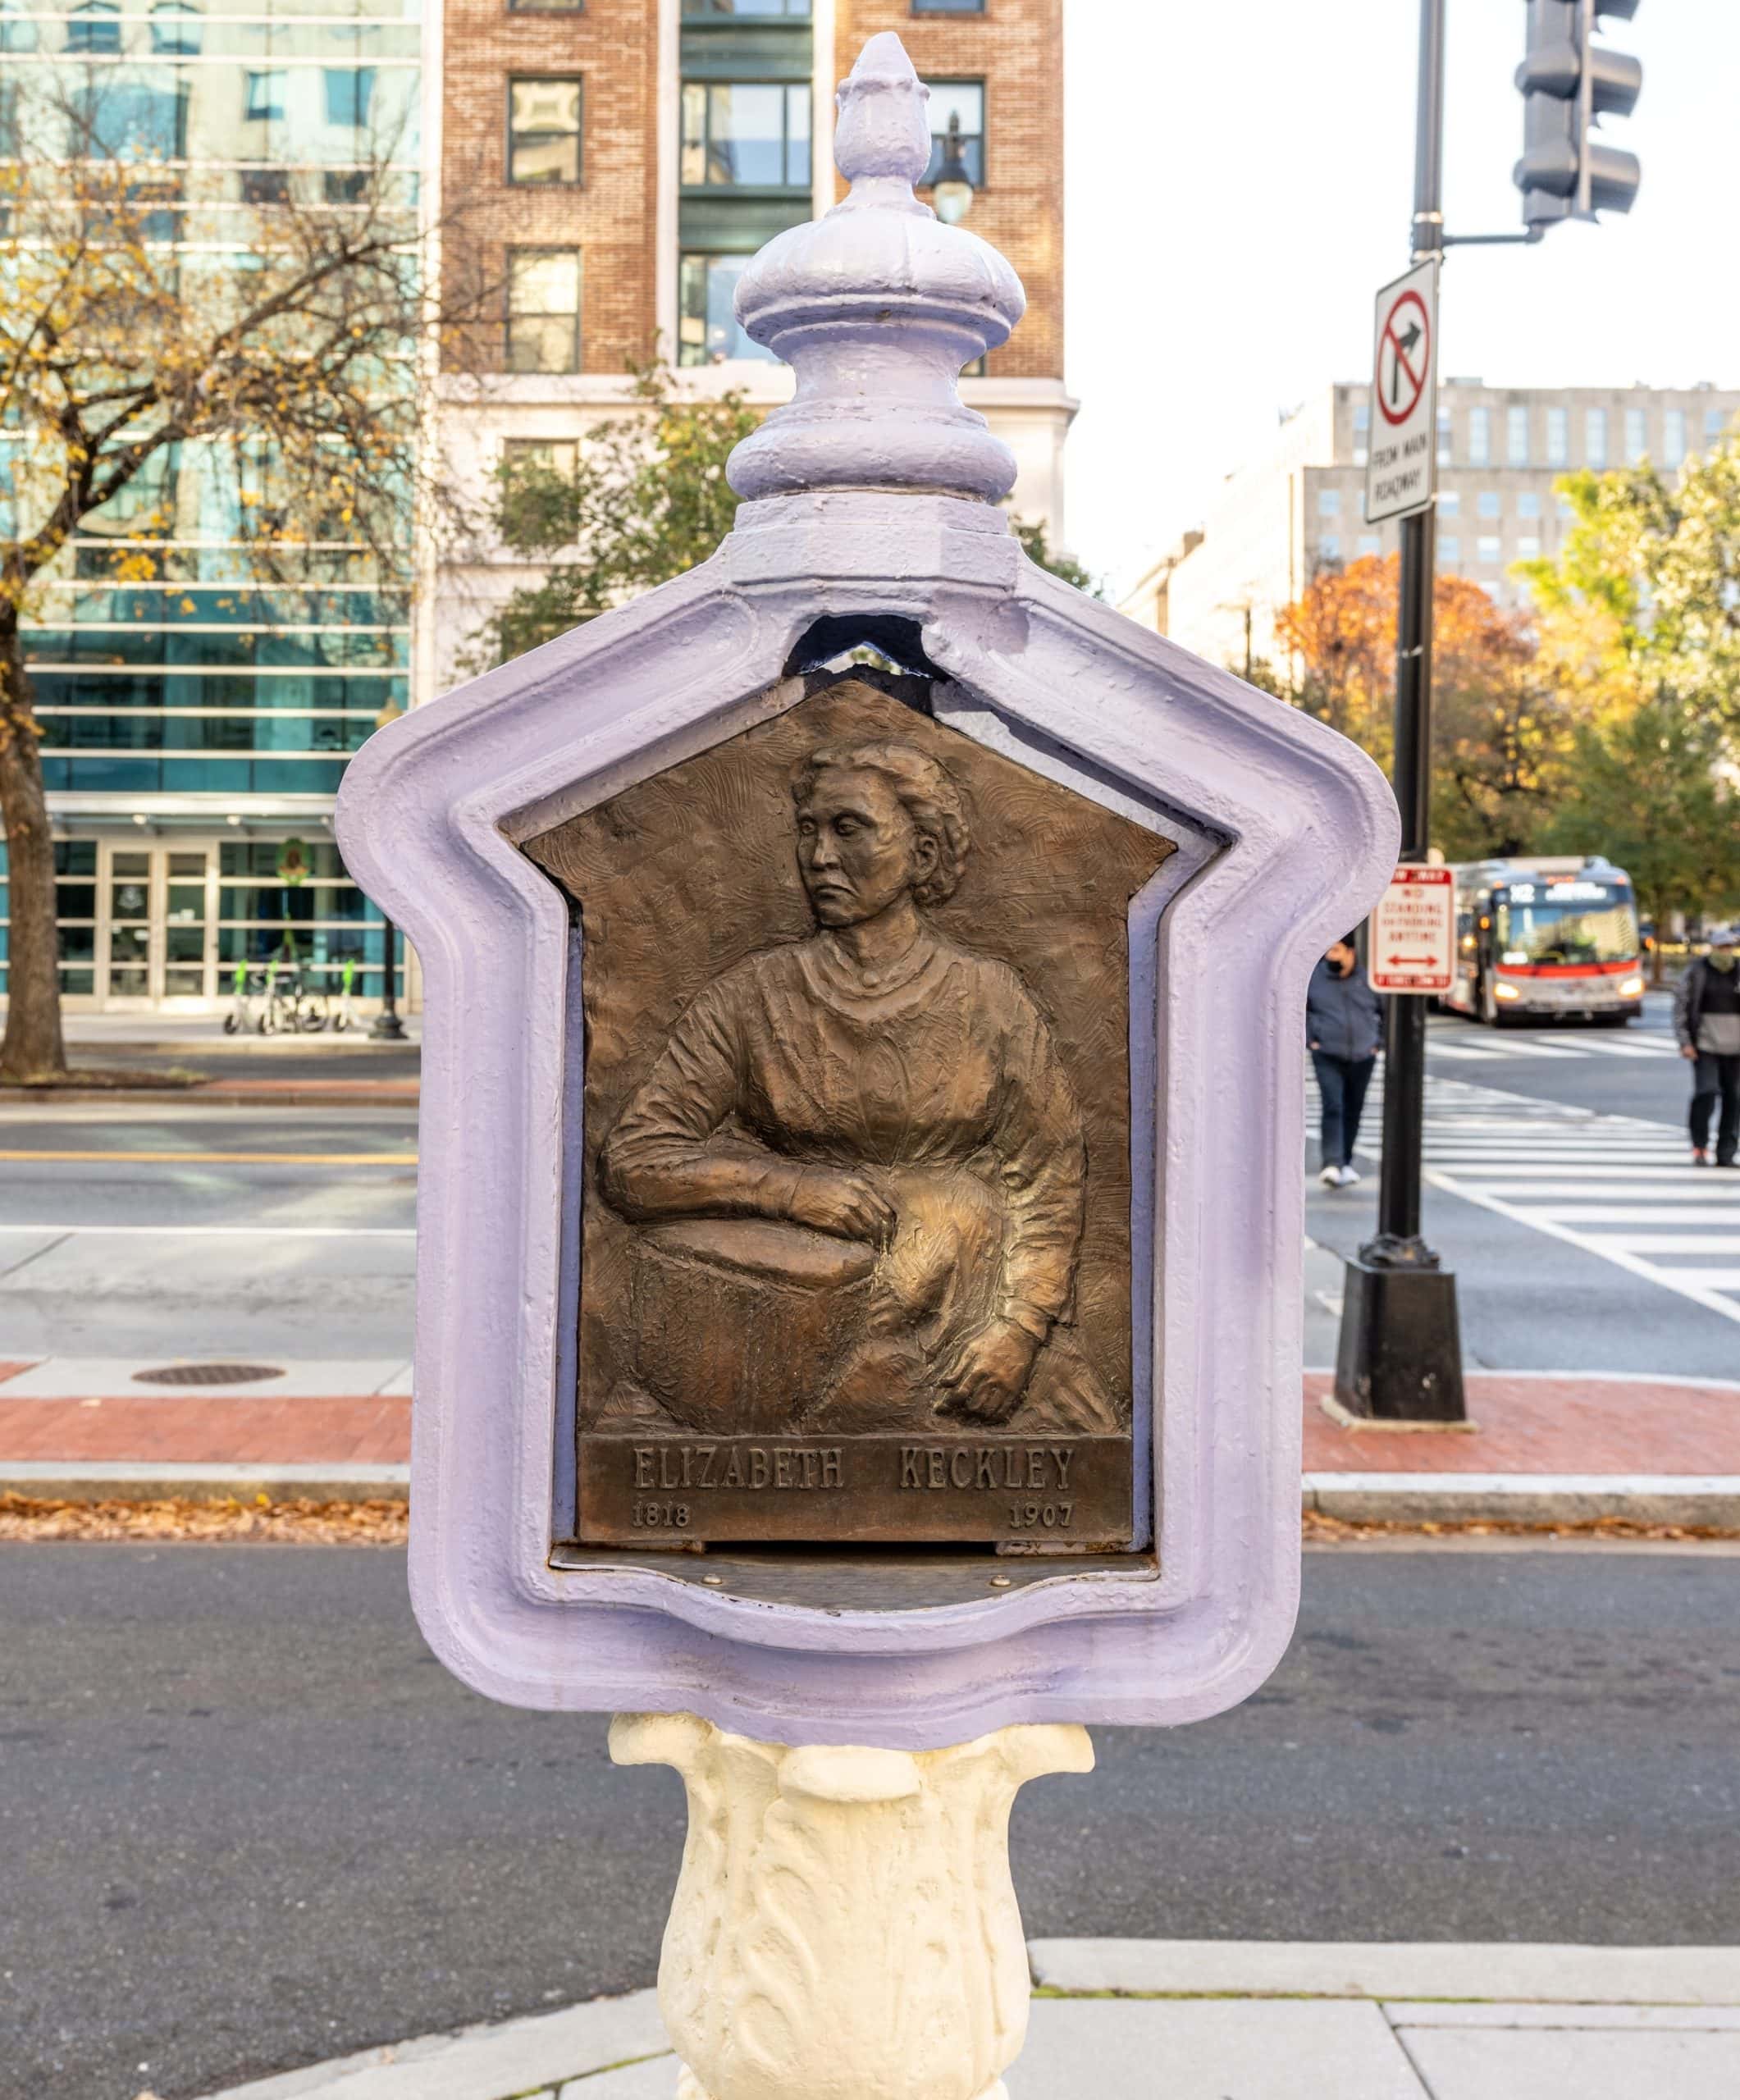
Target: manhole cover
{"x":207,"y":1374}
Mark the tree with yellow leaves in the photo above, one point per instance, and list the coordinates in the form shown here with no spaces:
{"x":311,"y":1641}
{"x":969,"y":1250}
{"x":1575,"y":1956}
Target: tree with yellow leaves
{"x":1499,"y":728}
{"x":119,"y":344}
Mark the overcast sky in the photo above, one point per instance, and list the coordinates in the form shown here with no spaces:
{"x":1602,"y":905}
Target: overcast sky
{"x":1240,"y":181}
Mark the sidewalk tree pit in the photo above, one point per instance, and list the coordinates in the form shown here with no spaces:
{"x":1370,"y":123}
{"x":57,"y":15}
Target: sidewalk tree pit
{"x":855,"y":1223}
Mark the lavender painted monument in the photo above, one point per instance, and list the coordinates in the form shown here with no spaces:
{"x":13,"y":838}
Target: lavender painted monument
{"x":1044,"y":1256}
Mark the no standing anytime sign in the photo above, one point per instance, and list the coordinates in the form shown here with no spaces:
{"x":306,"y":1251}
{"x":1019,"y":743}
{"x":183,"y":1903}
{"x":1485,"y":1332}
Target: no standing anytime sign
{"x":1412,"y":944}
{"x":1400,"y":460}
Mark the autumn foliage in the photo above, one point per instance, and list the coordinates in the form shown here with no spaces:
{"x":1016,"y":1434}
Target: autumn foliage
{"x":1498,"y":727}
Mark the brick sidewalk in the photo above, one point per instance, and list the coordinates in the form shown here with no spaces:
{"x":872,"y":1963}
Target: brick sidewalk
{"x":1525,"y":1425}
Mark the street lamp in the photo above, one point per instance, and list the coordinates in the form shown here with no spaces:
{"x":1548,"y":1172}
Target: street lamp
{"x":952,"y":193}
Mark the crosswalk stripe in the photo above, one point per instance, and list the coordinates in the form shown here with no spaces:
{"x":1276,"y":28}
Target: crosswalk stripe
{"x":1616,"y":1187}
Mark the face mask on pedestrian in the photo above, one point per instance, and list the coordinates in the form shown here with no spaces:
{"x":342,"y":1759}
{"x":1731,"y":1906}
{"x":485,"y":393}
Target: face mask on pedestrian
{"x":1342,"y":961}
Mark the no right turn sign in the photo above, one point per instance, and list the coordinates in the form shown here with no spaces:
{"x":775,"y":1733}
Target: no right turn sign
{"x":1400,"y":474}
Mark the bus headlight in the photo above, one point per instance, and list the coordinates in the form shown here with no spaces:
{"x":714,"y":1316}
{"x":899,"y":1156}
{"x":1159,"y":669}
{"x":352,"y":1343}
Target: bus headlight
{"x":1631,"y":988}
{"x":1503,"y":991}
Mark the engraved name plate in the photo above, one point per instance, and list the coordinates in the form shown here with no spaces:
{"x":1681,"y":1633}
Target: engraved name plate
{"x":856,"y":1229}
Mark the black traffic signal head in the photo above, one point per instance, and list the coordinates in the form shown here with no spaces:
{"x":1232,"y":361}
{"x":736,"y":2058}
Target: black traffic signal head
{"x":1569,"y":82}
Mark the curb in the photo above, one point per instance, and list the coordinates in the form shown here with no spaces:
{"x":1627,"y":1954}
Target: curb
{"x":620,"y":2041}
{"x":50,"y":1480}
{"x":270,"y":1093}
{"x":1707,"y":1502}
{"x":1710,"y":1503}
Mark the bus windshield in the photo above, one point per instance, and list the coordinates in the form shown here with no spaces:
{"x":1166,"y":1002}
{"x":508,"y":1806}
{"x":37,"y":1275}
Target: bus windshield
{"x":1550,"y":933}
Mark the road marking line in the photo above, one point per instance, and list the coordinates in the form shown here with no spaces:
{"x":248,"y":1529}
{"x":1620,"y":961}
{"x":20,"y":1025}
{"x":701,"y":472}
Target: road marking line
{"x":1695,"y":1197}
{"x":1620,"y":1254}
{"x":226,"y":1231}
{"x":223,"y":1159}
{"x":1669,"y":1243}
{"x":1641,"y":1214}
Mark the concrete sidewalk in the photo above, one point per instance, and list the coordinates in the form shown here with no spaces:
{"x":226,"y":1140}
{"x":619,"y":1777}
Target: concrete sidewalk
{"x":1545,"y":1448}
{"x":1200,"y":2019}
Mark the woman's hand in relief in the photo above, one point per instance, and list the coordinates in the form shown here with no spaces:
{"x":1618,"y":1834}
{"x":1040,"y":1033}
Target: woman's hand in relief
{"x":829,"y":1199}
{"x":988,"y":1373}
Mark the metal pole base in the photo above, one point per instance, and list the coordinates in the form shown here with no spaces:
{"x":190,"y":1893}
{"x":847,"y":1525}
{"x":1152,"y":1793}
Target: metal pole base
{"x":386,"y":1028}
{"x":1400,"y":1353}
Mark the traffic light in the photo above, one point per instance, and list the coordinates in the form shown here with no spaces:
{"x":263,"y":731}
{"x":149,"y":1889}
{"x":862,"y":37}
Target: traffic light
{"x":1569,"y":82}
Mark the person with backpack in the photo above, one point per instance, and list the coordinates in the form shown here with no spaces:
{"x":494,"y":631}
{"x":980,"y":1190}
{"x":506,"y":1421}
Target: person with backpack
{"x":1706,"y":1019}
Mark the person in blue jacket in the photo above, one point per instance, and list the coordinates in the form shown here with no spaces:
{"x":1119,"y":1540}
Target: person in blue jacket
{"x":1344,"y":1024}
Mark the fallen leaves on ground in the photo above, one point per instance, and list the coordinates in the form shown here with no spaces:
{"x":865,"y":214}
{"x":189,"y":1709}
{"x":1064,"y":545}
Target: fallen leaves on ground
{"x":1321,"y":1530}
{"x":179,"y":1522}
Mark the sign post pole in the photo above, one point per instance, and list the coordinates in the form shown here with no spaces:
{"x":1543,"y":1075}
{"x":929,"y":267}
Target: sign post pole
{"x":1400,"y":1353}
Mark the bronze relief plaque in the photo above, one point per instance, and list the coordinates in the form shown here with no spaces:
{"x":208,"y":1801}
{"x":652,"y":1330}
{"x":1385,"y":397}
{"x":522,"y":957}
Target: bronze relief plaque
{"x":856,"y":1222}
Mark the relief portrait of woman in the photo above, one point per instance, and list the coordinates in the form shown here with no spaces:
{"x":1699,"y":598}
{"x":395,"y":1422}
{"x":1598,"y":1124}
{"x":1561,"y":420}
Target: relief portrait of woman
{"x":857,"y":1164}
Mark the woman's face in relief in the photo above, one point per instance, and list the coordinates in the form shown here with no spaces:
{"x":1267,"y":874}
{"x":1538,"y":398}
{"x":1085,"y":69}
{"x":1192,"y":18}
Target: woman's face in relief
{"x":858,"y":851}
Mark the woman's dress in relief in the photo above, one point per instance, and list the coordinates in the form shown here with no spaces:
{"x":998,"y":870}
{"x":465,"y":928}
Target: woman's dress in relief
{"x":940,"y":1083}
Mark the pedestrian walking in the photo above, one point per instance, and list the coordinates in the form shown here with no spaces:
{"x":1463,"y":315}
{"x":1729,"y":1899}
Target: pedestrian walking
{"x":1344,"y":1022}
{"x":1706,"y":1019}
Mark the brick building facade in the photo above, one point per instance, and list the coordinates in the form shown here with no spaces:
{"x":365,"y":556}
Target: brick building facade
{"x":612,"y":165}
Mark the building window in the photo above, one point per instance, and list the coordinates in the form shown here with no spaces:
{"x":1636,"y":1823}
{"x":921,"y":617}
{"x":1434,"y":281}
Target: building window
{"x":1486,"y":547}
{"x":1329,"y":548}
{"x":1528,"y":547}
{"x":265,"y":103}
{"x":1516,"y":437}
{"x":965,"y":99}
{"x":1674,"y":437}
{"x":1529,"y":504}
{"x":176,"y":31}
{"x":1362,"y":431}
{"x":736,"y":10}
{"x":1445,"y":437}
{"x":1368,"y":543}
{"x":544,"y":130}
{"x":1489,"y":505}
{"x":1566,"y":509}
{"x":265,"y":186}
{"x":1636,"y":436}
{"x":948,"y":6}
{"x":543,"y":309}
{"x":1329,"y":502}
{"x":1595,"y":438}
{"x":745,"y":135}
{"x":1450,"y":503}
{"x":1449,"y":548}
{"x":552,"y":455}
{"x":95,"y":27}
{"x":1715,"y":424}
{"x":1480,"y":437}
{"x":707,"y":331}
{"x":1558,"y":437}
{"x":349,"y":89}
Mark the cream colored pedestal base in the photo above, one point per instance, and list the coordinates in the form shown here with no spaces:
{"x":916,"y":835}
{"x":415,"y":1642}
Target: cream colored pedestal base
{"x":844,"y":1926}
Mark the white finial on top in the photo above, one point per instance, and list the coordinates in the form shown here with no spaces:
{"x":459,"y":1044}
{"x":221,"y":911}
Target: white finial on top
{"x":878,"y":307}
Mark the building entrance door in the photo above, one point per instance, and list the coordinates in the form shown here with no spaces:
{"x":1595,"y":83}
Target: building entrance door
{"x":157,"y":924}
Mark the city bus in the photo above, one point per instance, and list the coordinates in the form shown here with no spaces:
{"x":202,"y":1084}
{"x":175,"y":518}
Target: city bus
{"x":1548,"y":938}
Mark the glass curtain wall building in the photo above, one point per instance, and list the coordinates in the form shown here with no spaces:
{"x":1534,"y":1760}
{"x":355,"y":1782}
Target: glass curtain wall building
{"x":745,"y":171}
{"x":198,"y":702}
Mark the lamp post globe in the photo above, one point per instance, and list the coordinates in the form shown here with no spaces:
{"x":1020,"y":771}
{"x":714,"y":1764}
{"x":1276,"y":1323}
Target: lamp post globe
{"x":952,"y":193}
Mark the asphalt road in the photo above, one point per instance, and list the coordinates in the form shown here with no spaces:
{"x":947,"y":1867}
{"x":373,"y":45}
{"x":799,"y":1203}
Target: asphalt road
{"x":171,"y":1229}
{"x":249,"y":1822}
{"x":203,"y":1247}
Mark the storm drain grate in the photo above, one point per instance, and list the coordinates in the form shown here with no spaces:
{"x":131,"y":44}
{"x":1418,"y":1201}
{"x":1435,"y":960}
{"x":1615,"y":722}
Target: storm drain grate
{"x":207,"y":1374}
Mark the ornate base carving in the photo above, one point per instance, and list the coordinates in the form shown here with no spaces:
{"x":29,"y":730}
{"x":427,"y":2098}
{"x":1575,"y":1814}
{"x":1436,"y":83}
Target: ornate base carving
{"x":844,"y":1926}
